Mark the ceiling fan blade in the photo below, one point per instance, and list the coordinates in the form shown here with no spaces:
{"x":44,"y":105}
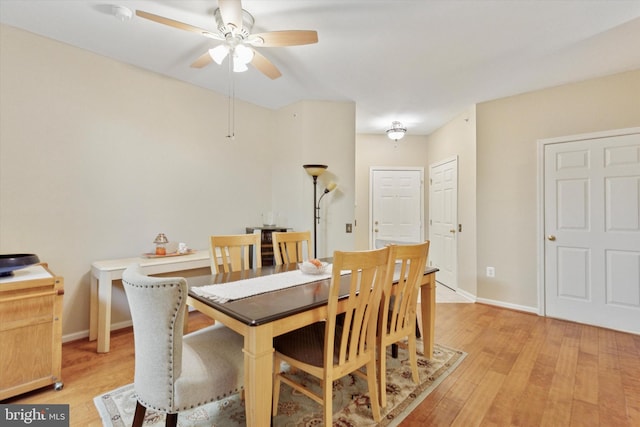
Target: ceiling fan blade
{"x":265,"y":66}
{"x":177,"y":24}
{"x":231,"y":12}
{"x":284,"y":38}
{"x":204,"y":60}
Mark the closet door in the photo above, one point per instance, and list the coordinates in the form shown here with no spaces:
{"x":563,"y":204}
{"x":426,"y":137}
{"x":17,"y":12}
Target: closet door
{"x":592,"y":231}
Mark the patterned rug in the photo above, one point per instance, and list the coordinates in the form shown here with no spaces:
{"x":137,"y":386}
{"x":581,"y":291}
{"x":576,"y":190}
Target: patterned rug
{"x":350,"y":398}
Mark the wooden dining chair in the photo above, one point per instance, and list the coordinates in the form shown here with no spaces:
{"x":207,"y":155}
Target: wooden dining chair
{"x":176,"y":372}
{"x":397,"y":315}
{"x":291,"y":247}
{"x":328,"y":352}
{"x":234,"y":252}
{"x":380,"y":243}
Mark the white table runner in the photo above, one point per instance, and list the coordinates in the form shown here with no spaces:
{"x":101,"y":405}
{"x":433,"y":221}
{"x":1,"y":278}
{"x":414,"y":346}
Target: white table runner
{"x":244,"y":288}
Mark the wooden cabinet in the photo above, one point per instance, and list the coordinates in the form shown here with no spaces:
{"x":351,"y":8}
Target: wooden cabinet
{"x":30,"y":330}
{"x":267,"y":243}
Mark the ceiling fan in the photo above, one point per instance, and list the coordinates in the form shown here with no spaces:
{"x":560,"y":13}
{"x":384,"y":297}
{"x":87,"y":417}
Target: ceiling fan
{"x":234,"y":26}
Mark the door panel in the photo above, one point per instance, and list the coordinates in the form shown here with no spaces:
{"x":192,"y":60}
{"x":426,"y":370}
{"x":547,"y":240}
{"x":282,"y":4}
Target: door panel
{"x":397,"y":205}
{"x":443,"y":220}
{"x":592,"y":228}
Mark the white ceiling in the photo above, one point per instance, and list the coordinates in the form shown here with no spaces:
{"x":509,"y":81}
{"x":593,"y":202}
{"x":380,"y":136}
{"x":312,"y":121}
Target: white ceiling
{"x":420,"y":62}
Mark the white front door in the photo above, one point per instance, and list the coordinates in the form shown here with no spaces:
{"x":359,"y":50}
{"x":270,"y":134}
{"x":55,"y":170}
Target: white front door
{"x":397,"y":207}
{"x":443,"y":220}
{"x":592,"y":231}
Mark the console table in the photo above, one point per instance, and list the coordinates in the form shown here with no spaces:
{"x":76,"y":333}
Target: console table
{"x":103,"y":273}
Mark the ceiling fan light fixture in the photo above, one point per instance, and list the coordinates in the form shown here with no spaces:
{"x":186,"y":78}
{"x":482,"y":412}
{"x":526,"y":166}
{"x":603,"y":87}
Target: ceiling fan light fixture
{"x":219,"y":52}
{"x":396,"y":131}
{"x":242,"y":54}
{"x":234,"y":26}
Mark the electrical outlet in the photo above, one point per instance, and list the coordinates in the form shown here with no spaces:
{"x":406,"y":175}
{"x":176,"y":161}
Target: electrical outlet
{"x":348,"y":228}
{"x":491,"y":272}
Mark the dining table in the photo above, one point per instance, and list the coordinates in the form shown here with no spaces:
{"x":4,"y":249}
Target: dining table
{"x":265,"y":315}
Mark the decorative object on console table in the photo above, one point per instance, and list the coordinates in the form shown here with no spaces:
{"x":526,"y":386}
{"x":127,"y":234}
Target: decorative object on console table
{"x":269,"y":219}
{"x":31,"y":332}
{"x":266,"y":243}
{"x":160,"y":241}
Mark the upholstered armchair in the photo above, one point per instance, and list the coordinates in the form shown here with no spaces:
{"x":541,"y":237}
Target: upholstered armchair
{"x":175,"y":372}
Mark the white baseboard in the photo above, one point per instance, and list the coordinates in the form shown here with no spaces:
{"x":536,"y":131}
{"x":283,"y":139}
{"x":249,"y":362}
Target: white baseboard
{"x":85,"y":334}
{"x":467,"y":295}
{"x":532,"y":310}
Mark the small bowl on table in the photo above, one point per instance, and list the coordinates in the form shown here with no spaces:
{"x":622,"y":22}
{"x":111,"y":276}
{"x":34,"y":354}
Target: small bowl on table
{"x":11,"y":262}
{"x":308,"y":267}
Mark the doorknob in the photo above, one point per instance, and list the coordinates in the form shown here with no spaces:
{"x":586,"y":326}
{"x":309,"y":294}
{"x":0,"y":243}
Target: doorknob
{"x":452,"y":230}
{"x":375,"y":229}
{"x":551,"y":237}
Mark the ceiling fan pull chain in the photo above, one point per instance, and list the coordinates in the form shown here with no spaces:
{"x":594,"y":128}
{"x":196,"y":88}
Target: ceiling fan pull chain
{"x":231,"y":103}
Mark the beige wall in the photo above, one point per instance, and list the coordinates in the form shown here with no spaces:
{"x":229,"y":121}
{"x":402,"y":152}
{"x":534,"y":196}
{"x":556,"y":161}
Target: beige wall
{"x":97,"y":157}
{"x":316,"y":132}
{"x":507,"y":134}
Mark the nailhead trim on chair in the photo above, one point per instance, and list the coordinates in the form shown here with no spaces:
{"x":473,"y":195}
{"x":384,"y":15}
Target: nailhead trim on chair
{"x":172,"y":328}
{"x":171,"y":336}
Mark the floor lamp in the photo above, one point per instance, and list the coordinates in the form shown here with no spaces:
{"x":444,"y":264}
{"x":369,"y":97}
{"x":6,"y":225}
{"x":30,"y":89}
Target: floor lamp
{"x":315,"y":171}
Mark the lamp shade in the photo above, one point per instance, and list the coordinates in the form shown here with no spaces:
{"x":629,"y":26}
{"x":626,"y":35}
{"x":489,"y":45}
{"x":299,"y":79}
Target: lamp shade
{"x":243,"y":54}
{"x":161,"y":239}
{"x":218,"y":53}
{"x":315,"y":170}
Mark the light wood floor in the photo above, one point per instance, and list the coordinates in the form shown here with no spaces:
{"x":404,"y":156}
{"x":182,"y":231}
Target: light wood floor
{"x":521,"y":370}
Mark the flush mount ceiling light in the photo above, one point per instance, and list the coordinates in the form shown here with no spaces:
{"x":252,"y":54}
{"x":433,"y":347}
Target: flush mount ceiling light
{"x":397,"y":131}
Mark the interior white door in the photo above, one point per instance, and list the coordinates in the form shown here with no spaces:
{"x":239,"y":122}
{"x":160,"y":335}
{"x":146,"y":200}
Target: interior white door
{"x":443,"y":220}
{"x":397,"y":205}
{"x":592,"y":231}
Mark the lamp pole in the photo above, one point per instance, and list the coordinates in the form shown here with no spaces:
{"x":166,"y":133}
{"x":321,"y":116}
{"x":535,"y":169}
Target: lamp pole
{"x":316,"y":217}
{"x":315,"y":171}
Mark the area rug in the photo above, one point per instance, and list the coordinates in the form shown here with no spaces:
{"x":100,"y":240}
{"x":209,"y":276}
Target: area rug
{"x":350,"y":398}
